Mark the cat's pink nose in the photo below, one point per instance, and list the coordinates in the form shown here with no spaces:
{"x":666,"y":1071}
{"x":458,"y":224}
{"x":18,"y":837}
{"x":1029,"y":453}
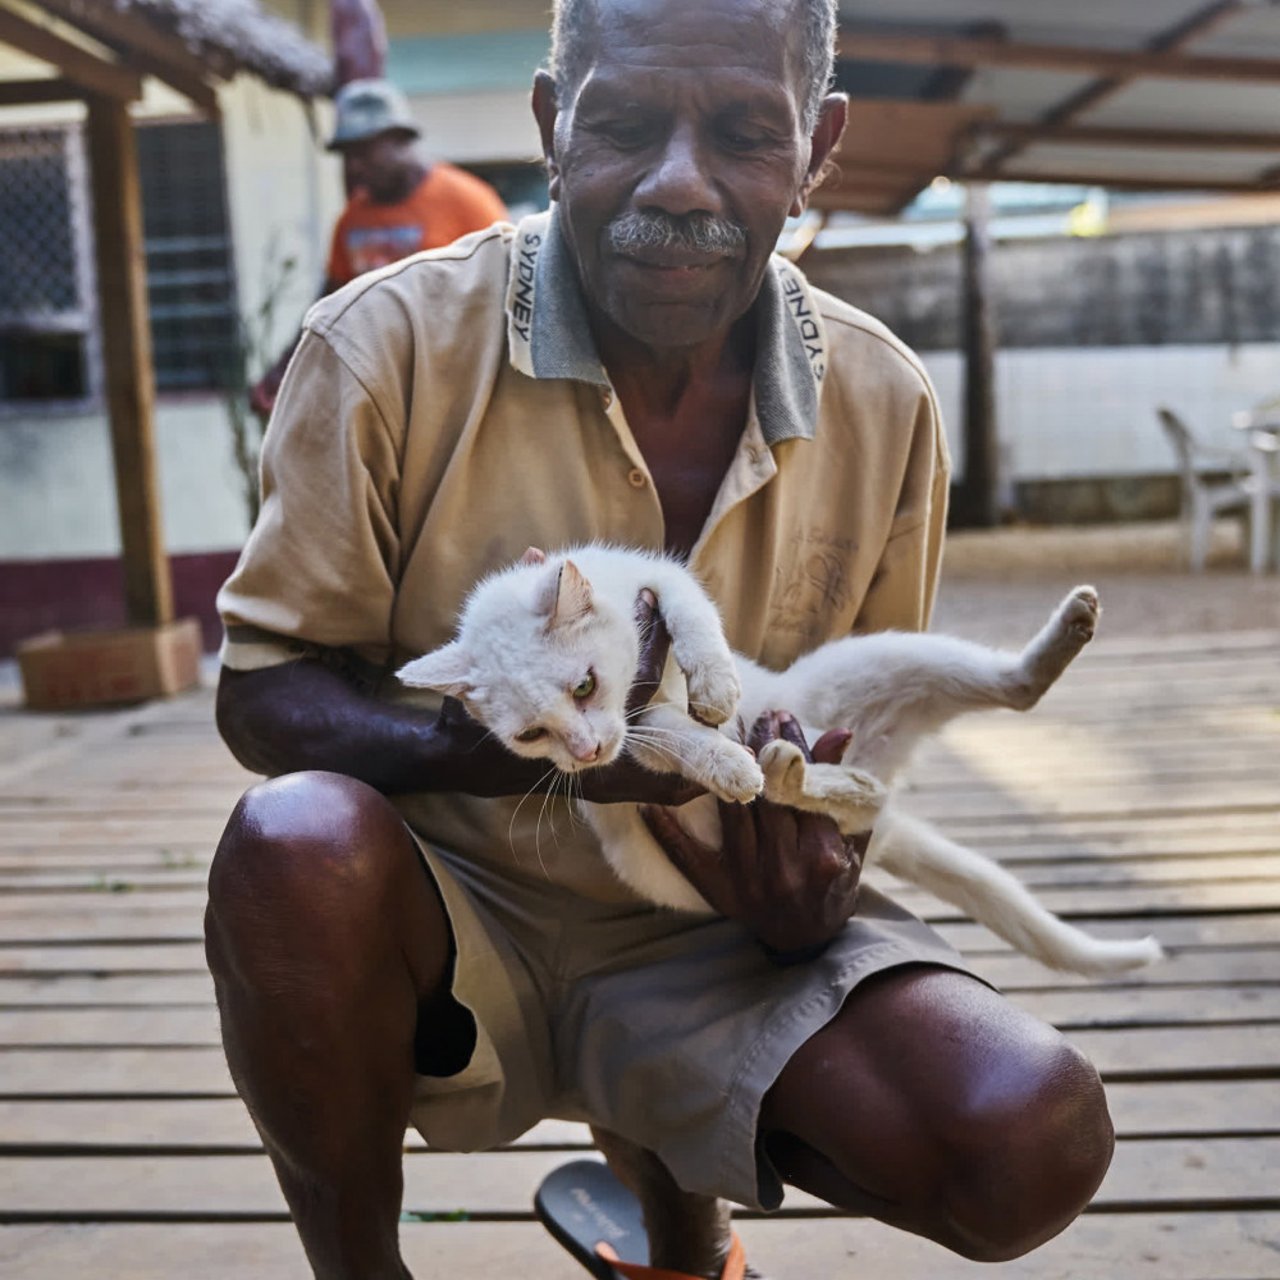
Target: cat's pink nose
{"x":587,"y":755}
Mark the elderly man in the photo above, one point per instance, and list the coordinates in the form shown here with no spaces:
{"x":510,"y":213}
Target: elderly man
{"x":637,"y":367}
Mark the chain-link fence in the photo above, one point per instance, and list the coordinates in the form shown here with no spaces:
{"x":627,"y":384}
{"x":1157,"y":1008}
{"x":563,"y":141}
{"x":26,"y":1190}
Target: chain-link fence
{"x":46,"y":285}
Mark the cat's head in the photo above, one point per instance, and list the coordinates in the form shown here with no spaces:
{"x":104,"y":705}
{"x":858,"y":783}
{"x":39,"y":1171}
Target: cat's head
{"x":542,"y":661}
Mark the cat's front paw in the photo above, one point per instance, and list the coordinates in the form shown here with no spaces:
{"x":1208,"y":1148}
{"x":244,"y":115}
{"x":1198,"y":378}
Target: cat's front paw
{"x":734,"y":775}
{"x":714,"y":690}
{"x":784,"y":766}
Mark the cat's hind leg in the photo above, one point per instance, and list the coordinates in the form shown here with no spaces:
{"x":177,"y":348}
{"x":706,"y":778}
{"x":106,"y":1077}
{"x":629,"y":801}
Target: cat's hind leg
{"x":852,"y":797}
{"x":1050,"y":653}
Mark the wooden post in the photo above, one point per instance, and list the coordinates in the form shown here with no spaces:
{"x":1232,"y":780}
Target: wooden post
{"x":979,"y":494}
{"x":126,"y":340}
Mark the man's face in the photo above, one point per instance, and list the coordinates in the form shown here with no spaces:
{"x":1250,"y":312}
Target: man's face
{"x":677,"y":163}
{"x":377,"y":166}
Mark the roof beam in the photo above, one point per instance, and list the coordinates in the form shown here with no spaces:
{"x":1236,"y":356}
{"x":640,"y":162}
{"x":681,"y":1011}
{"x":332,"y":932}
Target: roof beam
{"x":75,"y":61}
{"x":965,"y":51}
{"x":145,"y":47}
{"x":1107,"y":136}
{"x":22,"y":93}
{"x":1183,"y":182}
{"x":1176,"y":38}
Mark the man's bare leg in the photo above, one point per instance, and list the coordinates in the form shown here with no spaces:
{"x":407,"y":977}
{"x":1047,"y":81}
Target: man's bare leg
{"x":935,"y":1105}
{"x":929,"y":1103}
{"x":326,"y":939}
{"x":688,"y":1233}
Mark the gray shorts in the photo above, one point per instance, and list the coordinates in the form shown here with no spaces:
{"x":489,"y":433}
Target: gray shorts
{"x":665,"y":1028}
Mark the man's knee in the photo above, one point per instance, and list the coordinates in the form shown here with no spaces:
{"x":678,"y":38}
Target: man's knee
{"x":1028,"y":1153}
{"x":305,"y":860}
{"x":302,"y":834}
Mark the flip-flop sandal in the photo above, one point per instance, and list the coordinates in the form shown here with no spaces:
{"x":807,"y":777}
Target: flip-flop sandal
{"x":599,"y":1221}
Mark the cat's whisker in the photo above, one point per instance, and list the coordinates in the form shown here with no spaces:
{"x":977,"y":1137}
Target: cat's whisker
{"x":653,"y":739}
{"x":511,"y":842}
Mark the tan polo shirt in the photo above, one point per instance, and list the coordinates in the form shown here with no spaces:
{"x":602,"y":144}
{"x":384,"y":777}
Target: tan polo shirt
{"x":450,"y":410}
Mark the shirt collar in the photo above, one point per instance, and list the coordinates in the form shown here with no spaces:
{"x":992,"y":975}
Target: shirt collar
{"x":548,"y":335}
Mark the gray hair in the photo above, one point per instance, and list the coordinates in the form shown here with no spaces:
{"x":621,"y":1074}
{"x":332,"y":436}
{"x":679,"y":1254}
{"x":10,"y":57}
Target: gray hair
{"x":573,"y":28}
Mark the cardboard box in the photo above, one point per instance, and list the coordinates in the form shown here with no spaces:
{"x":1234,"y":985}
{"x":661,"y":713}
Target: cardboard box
{"x":63,"y":669}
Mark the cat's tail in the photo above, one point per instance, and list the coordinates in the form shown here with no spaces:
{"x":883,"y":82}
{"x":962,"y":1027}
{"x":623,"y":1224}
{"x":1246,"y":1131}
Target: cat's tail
{"x":994,"y":897}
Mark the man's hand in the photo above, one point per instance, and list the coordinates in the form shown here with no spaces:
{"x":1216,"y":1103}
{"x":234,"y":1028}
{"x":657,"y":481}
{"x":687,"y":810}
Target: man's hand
{"x":789,"y":877}
{"x":499,"y":772}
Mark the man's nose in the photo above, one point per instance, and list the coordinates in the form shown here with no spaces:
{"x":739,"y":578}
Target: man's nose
{"x":680,"y":181}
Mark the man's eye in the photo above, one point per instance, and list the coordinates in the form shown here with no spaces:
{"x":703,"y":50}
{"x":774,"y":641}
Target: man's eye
{"x":531,"y":735}
{"x":586,"y":687}
{"x":626,"y":133}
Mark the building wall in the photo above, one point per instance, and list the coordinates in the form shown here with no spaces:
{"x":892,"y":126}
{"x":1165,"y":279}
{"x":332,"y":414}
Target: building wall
{"x":57,"y":487}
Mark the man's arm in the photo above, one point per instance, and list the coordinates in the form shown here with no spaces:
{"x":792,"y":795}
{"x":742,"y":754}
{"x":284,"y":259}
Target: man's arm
{"x":305,"y":715}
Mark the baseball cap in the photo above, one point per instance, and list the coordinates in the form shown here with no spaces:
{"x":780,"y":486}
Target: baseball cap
{"x":367,"y":108}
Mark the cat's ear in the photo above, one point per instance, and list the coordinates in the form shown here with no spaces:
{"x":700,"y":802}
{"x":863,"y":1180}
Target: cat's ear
{"x":564,"y":596}
{"x":447,"y":670}
{"x":534,"y":555}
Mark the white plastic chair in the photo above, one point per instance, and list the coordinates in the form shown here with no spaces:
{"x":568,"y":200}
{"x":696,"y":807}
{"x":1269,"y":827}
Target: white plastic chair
{"x":1262,"y":423}
{"x":1204,"y":498}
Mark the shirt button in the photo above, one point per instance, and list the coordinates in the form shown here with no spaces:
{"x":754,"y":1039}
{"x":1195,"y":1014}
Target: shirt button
{"x":637,"y":478}
{"x":755,"y":455}
{"x":606,"y":398}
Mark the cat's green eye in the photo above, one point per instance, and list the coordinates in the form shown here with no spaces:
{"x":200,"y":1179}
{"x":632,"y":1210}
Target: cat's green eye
{"x":587,"y":686}
{"x":531,"y":735}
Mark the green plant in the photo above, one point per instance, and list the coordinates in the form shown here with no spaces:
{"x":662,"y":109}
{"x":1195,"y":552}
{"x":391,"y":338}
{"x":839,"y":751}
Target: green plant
{"x":252,"y":355}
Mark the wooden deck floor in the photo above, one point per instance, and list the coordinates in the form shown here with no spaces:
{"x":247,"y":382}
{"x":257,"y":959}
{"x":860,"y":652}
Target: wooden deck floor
{"x":1144,"y":795}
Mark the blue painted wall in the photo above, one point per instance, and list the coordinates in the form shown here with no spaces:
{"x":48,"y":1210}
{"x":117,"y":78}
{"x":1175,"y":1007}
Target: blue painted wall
{"x":467,"y":63}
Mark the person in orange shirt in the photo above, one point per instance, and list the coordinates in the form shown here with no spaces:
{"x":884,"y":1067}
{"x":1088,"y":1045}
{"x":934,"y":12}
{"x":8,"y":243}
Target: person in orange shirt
{"x":398,"y":202}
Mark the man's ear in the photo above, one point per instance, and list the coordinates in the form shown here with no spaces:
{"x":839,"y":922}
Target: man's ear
{"x":832,"y":117}
{"x":545,"y":110}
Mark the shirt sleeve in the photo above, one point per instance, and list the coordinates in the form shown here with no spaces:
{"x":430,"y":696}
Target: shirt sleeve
{"x":320,"y":567}
{"x":905,"y":583}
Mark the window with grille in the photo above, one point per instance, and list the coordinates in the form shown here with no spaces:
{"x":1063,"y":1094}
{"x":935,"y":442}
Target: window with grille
{"x":46,"y":286}
{"x":48,"y":338}
{"x":190,"y":273}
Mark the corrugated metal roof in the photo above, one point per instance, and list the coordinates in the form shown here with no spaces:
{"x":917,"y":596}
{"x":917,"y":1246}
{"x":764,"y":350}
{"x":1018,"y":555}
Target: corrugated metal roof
{"x":1012,"y":74}
{"x":255,"y":41}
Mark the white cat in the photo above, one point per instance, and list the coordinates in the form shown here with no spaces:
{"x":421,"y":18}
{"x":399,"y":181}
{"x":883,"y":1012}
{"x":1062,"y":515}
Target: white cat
{"x":546,"y":652}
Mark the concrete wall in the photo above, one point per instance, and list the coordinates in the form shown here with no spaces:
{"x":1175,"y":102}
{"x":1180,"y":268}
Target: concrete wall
{"x":56,"y":485}
{"x":1087,"y":413}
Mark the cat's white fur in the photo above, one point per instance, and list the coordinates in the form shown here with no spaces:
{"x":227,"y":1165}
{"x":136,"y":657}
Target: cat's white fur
{"x":532,"y":638}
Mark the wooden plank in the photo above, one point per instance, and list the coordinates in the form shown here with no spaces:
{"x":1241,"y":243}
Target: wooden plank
{"x":149,"y":49}
{"x":1145,"y":1173}
{"x":1219,"y":1108}
{"x":1115,"y":900}
{"x":1182,"y":932}
{"x":1154,"y":1006}
{"x":123,"y":1027}
{"x":1074,"y":869}
{"x":88,"y":926}
{"x":188,"y":1126}
{"x":21,"y":93}
{"x":1236,"y":1051}
{"x":126,"y":341}
{"x":140,"y":1023}
{"x":1210,"y":1246}
{"x":76,"y":61}
{"x":1140,"y":138}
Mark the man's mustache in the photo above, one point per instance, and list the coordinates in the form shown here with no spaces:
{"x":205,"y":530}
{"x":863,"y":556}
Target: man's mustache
{"x":694,"y":232}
